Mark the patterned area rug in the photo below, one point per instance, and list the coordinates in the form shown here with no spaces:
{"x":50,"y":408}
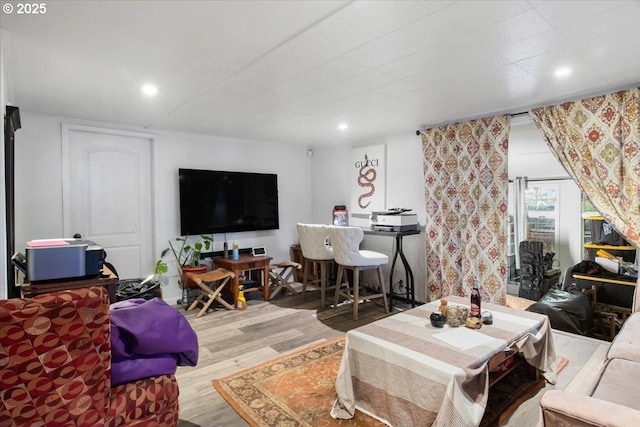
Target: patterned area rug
{"x":298,"y":390}
{"x":293,"y":390}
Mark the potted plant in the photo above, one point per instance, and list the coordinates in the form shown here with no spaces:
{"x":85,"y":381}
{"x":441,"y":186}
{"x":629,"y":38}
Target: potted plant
{"x":186,"y":254}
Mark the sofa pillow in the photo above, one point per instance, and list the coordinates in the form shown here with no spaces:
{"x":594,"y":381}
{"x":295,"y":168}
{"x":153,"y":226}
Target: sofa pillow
{"x":626,"y":345}
{"x":617,"y":383}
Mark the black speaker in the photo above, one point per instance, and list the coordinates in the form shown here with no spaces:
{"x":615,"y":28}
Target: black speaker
{"x":11,"y":125}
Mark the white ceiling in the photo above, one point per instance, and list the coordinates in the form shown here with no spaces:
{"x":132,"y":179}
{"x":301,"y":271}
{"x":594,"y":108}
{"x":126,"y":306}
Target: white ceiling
{"x":290,"y":71}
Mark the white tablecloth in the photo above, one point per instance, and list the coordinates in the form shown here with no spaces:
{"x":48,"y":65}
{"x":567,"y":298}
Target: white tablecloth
{"x":405,"y":372}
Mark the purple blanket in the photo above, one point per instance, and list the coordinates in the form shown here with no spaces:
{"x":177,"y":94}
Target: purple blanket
{"x":149,"y":338}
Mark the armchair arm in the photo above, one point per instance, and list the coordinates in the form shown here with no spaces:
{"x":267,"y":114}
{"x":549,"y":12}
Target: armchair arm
{"x":56,"y":358}
{"x":562,"y":408}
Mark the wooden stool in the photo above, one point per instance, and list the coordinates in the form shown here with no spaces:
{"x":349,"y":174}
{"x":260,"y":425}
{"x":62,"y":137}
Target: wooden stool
{"x":279,"y":275}
{"x":216,"y":279}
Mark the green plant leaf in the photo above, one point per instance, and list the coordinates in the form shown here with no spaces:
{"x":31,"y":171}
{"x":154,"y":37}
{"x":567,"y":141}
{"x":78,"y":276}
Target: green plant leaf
{"x":161,"y":267}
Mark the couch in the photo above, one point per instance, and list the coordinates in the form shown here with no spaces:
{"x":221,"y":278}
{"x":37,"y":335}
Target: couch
{"x":614,"y":400}
{"x":55,"y":367}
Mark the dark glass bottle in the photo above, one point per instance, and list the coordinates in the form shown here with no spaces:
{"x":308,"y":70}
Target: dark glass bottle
{"x":475,"y":308}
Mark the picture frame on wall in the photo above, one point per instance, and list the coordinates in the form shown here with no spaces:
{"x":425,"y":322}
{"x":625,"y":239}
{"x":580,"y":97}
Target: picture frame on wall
{"x":368,"y":180}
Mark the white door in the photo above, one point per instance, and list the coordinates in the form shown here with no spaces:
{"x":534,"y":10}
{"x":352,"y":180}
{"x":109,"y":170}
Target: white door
{"x":107,"y":194}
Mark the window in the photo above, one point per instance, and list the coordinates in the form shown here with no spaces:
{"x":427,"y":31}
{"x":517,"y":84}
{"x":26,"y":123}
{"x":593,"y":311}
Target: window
{"x":541,"y":214}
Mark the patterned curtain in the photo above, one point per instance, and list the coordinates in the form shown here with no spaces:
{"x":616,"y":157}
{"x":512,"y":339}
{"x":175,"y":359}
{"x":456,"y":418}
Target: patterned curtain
{"x":466,"y":188}
{"x":598,"y":142}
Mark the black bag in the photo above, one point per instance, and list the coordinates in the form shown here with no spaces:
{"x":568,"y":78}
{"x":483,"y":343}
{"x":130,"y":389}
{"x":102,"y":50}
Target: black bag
{"x":138,"y":288}
{"x":568,"y":311}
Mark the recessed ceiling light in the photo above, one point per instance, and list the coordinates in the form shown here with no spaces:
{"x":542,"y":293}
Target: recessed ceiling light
{"x":343,"y":126}
{"x":149,"y":89}
{"x":563,"y":72}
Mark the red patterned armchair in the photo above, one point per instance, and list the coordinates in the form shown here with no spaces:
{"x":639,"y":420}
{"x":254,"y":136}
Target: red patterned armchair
{"x":55,"y":367}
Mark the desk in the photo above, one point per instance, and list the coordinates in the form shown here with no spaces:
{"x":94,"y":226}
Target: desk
{"x":411,"y":292}
{"x":400,"y":370}
{"x":246,"y":263}
{"x":109,"y":282}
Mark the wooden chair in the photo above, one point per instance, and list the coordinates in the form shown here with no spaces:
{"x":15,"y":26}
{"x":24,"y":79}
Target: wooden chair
{"x":279,"y":275}
{"x":211,"y":284}
{"x":346,"y":249}
{"x":607,"y":317}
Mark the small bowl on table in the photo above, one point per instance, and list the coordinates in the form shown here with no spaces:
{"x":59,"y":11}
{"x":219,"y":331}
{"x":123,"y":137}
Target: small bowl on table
{"x":437,"y":319}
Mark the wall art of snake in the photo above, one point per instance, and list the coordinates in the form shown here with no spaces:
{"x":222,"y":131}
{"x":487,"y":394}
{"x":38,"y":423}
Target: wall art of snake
{"x":366,"y":178}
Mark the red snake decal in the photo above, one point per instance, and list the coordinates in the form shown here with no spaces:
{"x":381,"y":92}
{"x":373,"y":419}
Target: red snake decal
{"x":366,"y":179}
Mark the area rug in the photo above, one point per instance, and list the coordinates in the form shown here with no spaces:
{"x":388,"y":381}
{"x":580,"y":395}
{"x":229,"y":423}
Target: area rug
{"x":298,"y":390}
{"x":293,"y":390}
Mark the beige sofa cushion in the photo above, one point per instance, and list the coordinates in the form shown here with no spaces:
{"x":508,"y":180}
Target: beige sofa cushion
{"x":619,"y":384}
{"x":626,"y":344}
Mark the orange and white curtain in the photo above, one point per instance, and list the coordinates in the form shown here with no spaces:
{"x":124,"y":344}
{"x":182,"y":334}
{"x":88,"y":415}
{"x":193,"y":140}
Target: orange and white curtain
{"x":466,"y":190}
{"x":597,"y":140}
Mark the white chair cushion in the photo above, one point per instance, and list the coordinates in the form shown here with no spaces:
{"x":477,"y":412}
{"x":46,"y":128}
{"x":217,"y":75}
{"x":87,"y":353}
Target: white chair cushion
{"x":313,"y":241}
{"x":373,"y":258}
{"x":345,"y":242}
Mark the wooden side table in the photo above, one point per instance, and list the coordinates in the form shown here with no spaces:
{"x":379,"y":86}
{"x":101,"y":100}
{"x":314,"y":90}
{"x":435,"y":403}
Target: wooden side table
{"x":314,"y":274}
{"x":110,"y":282}
{"x":246,"y":263}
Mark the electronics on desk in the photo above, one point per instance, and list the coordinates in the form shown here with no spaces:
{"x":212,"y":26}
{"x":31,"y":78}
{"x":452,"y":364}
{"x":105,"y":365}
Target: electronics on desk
{"x":259,"y":251}
{"x":53,"y":259}
{"x":396,"y":219}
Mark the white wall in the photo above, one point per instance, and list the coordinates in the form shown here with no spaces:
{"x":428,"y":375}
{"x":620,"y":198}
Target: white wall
{"x":569,"y":225}
{"x":309,"y":187}
{"x":330,"y":186}
{"x":528,"y":156}
{"x":39,"y":184}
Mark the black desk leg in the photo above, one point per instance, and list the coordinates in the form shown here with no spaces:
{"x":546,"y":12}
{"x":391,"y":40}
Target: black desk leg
{"x":409,"y":274}
{"x":393,"y":267}
{"x":410,"y":293}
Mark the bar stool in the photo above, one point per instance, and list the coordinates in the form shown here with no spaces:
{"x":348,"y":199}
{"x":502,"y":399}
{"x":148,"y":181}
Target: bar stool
{"x":211,"y":284}
{"x":345,"y":242}
{"x":313,"y":243}
{"x":279,"y":275}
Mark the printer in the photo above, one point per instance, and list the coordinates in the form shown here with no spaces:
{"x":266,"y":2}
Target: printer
{"x":55,"y":259}
{"x":396,"y":219}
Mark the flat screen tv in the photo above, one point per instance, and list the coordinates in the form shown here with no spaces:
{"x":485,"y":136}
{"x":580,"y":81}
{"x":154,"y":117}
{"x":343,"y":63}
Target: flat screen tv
{"x":221,"y":201}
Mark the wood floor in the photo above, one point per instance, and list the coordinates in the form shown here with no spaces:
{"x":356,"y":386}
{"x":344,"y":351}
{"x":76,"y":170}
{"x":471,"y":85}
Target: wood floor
{"x":234,"y":340}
